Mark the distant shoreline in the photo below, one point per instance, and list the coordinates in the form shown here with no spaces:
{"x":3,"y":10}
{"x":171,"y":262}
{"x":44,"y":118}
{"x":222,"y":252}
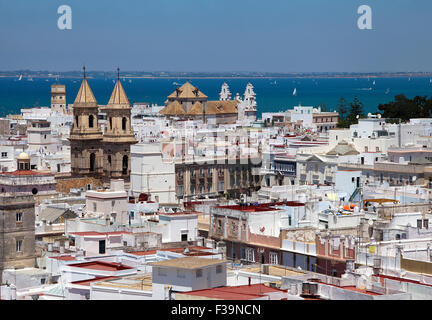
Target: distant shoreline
{"x":209,"y":75}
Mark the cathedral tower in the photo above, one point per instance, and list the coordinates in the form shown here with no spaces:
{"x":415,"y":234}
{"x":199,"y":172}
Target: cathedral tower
{"x":86,"y":135}
{"x":118,"y":135}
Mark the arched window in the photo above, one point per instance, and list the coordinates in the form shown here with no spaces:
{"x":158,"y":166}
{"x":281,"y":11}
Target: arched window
{"x":109,"y":159}
{"x":76,"y":121}
{"x":91,"y":119}
{"x":92,"y":161}
{"x":125,"y":165}
{"x":110,"y":121}
{"x":124,"y":121}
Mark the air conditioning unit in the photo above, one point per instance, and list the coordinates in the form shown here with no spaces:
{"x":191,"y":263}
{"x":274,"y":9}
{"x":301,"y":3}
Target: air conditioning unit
{"x":309,"y":289}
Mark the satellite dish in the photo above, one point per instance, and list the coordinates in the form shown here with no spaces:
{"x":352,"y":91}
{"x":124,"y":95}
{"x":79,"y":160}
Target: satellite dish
{"x":370,"y":222}
{"x":379,"y":115}
{"x":369,"y":115}
{"x":357,"y":116}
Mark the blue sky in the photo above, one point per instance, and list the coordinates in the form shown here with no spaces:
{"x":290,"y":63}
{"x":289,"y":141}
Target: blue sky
{"x":217,"y":35}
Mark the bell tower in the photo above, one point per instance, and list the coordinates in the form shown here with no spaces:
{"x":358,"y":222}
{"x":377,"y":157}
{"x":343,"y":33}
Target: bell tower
{"x":118,"y":135}
{"x":86,"y":135}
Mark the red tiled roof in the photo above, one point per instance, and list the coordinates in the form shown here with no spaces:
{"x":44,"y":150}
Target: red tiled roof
{"x":64,"y":258}
{"x":101,"y":265}
{"x":244,"y":292}
{"x":402,"y":280}
{"x":250,"y":208}
{"x":352,"y":288}
{"x":87,"y":282}
{"x":25,"y":173}
{"x":178,"y":213}
{"x":95,"y":233}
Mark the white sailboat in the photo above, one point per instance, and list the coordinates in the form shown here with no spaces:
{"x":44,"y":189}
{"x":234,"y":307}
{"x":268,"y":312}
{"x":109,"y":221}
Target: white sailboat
{"x":387,"y":91}
{"x":20,"y":77}
{"x":295,"y":92}
{"x":373,"y":83}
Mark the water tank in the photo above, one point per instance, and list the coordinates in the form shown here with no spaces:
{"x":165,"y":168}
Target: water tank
{"x":66,"y":244}
{"x":293,"y":289}
{"x":265,"y":269}
{"x":50,"y":247}
{"x":12,"y":292}
{"x":62,"y":249}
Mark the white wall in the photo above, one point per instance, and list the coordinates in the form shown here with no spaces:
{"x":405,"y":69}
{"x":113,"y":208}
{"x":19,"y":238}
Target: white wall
{"x":209,"y":279}
{"x":149,"y":174}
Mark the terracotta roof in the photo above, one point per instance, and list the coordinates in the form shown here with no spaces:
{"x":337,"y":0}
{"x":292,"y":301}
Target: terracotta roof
{"x":343,"y":148}
{"x":188,"y":263}
{"x":85,"y":94}
{"x":173,"y":108}
{"x":118,"y":95}
{"x":218,"y":107}
{"x":197,"y":108}
{"x":187,"y":90}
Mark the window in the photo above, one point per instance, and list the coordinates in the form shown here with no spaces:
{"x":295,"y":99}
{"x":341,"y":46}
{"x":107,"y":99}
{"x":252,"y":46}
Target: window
{"x":4,"y":154}
{"x":184,"y":237}
{"x":218,"y":269}
{"x":199,"y":273}
{"x":419,"y":223}
{"x":19,"y":246}
{"x":250,"y":255}
{"x":233,"y":227}
{"x":273,"y":258}
{"x":91,"y":120}
{"x":125,"y":165}
{"x":101,"y":246}
{"x":92,"y":161}
{"x":94,"y":206}
{"x":426,"y":223}
{"x":19,"y":216}
{"x":124,"y":121}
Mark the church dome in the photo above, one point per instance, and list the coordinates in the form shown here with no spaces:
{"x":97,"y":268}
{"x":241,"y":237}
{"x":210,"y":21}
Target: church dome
{"x":23,"y":156}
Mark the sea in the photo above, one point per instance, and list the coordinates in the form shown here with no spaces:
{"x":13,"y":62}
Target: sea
{"x":272,"y":94}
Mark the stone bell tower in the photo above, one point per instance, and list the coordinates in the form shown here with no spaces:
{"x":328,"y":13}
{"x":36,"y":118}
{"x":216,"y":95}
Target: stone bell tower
{"x":86,"y":135}
{"x":118,"y":135}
